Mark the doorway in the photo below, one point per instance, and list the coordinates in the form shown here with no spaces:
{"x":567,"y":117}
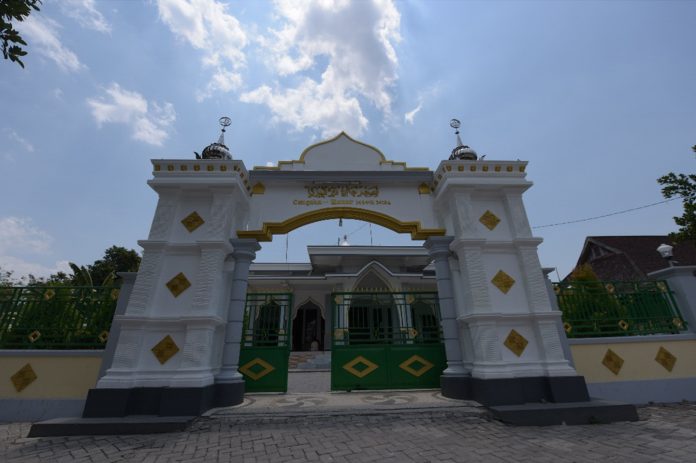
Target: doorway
{"x":308,"y":329}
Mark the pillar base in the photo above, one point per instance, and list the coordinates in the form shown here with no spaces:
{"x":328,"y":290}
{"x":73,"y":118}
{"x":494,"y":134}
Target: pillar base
{"x":512,"y":391}
{"x":161,"y":401}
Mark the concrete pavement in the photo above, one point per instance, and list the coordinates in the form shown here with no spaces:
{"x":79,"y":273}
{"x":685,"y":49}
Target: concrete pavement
{"x":396,"y":426}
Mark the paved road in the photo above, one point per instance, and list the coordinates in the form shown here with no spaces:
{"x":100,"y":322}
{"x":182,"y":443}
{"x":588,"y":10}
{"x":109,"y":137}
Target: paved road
{"x":397,"y":433}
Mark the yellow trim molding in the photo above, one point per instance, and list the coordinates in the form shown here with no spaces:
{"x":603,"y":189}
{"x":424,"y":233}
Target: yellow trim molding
{"x":280,"y":228}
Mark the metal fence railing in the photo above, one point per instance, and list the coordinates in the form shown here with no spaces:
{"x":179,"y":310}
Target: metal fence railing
{"x":386,"y":318}
{"x":618,"y":308}
{"x":56,"y":317}
{"x":267,"y":320}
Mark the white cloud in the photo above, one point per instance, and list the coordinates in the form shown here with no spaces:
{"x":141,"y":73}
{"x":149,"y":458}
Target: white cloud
{"x":42,"y":35}
{"x":423,"y":96}
{"x":18,"y":234}
{"x":409,"y":116}
{"x":14,"y":136}
{"x":86,"y":14}
{"x":356,"y":38}
{"x":21,"y":268}
{"x":206,"y":25}
{"x":149,"y":122}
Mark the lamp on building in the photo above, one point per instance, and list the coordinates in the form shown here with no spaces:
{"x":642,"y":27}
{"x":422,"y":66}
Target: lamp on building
{"x":344,"y":241}
{"x":665,"y":251}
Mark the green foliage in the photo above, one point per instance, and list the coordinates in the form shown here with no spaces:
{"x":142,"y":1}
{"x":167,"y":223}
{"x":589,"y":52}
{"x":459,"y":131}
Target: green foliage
{"x":684,"y":186}
{"x":14,"y":10}
{"x":584,"y":273}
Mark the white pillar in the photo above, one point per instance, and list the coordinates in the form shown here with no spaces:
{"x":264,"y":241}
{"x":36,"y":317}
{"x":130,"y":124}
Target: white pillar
{"x":243,"y":254}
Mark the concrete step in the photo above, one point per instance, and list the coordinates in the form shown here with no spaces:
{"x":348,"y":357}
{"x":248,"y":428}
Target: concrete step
{"x":310,"y":360}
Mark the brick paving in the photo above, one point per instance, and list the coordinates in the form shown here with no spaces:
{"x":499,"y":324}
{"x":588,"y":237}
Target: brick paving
{"x":664,"y":434}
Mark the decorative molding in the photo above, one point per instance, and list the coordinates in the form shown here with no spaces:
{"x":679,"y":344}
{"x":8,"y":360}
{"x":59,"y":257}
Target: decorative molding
{"x":383,"y":159}
{"x":192,"y":221}
{"x":424,"y":189}
{"x":23,"y":377}
{"x":178,"y":284}
{"x":164,"y":215}
{"x":666,"y":359}
{"x":534,"y":280}
{"x":209,"y":268}
{"x":197,"y":347}
{"x":220,"y":216}
{"x":489,"y":220}
{"x":247,"y":369}
{"x":258,"y":188}
{"x":516,"y":342}
{"x":407,"y":366}
{"x":147,"y":275}
{"x":279,"y":228}
{"x":503,"y":281}
{"x":550,"y":340}
{"x":485,"y":343}
{"x":165,"y":349}
{"x":369,"y":366}
{"x":612,"y":361}
{"x":129,"y":342}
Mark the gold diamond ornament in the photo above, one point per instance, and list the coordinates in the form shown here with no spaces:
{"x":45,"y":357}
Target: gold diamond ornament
{"x":49,"y":294}
{"x":408,"y":366}
{"x":567,"y":327}
{"x":612,"y":361}
{"x":623,"y":324}
{"x":666,"y":359}
{"x":178,"y":284}
{"x":103,"y":336}
{"x":34,"y":336}
{"x":516,"y":342}
{"x":360,"y":360}
{"x":23,"y":377}
{"x":489,"y":220}
{"x":165,"y":349}
{"x":192,"y":221}
{"x":503,"y":281}
{"x":248,"y":369}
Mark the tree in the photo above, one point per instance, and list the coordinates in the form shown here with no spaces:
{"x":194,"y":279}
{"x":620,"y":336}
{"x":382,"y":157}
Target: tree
{"x":684,"y":186}
{"x":14,"y":10}
{"x":116,"y":259}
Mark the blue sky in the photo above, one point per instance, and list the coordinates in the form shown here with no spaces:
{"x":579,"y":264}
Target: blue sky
{"x":599,"y":97}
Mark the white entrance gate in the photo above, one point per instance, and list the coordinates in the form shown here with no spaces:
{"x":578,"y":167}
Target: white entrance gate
{"x":178,"y":350}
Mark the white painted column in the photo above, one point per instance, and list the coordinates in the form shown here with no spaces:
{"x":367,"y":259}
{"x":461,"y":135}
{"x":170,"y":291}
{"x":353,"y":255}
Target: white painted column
{"x":438,"y":247}
{"x":243,"y":254}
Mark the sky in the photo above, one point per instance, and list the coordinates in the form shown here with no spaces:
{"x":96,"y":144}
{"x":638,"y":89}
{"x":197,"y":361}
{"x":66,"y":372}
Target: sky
{"x":598,"y":96}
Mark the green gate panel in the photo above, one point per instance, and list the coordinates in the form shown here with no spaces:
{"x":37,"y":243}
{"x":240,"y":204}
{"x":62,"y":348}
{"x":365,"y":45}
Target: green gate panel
{"x":265,"y":369}
{"x":265,"y":349}
{"x":386,"y":340}
{"x":417,"y":366}
{"x":354,"y":368}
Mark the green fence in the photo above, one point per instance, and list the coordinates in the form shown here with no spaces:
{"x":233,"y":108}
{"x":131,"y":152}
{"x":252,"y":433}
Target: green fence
{"x":56,"y":317}
{"x":618,"y":308}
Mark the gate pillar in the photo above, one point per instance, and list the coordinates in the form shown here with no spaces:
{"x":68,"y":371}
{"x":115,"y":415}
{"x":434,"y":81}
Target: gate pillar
{"x":508,"y":331}
{"x":172,"y":331}
{"x":230,"y":380}
{"x":439,"y":250}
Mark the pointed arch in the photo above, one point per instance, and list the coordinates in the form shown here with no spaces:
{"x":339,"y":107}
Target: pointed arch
{"x":378,"y":218}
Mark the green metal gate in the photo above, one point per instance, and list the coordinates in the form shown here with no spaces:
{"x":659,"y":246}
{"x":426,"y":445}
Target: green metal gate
{"x":386,"y":341}
{"x":265,"y":348}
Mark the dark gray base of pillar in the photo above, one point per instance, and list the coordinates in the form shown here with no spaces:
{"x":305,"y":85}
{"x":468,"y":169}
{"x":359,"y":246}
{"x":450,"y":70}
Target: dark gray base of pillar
{"x":571,"y":413}
{"x":537,"y":401}
{"x":142,"y":424}
{"x":511,"y":391}
{"x":161,"y":401}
